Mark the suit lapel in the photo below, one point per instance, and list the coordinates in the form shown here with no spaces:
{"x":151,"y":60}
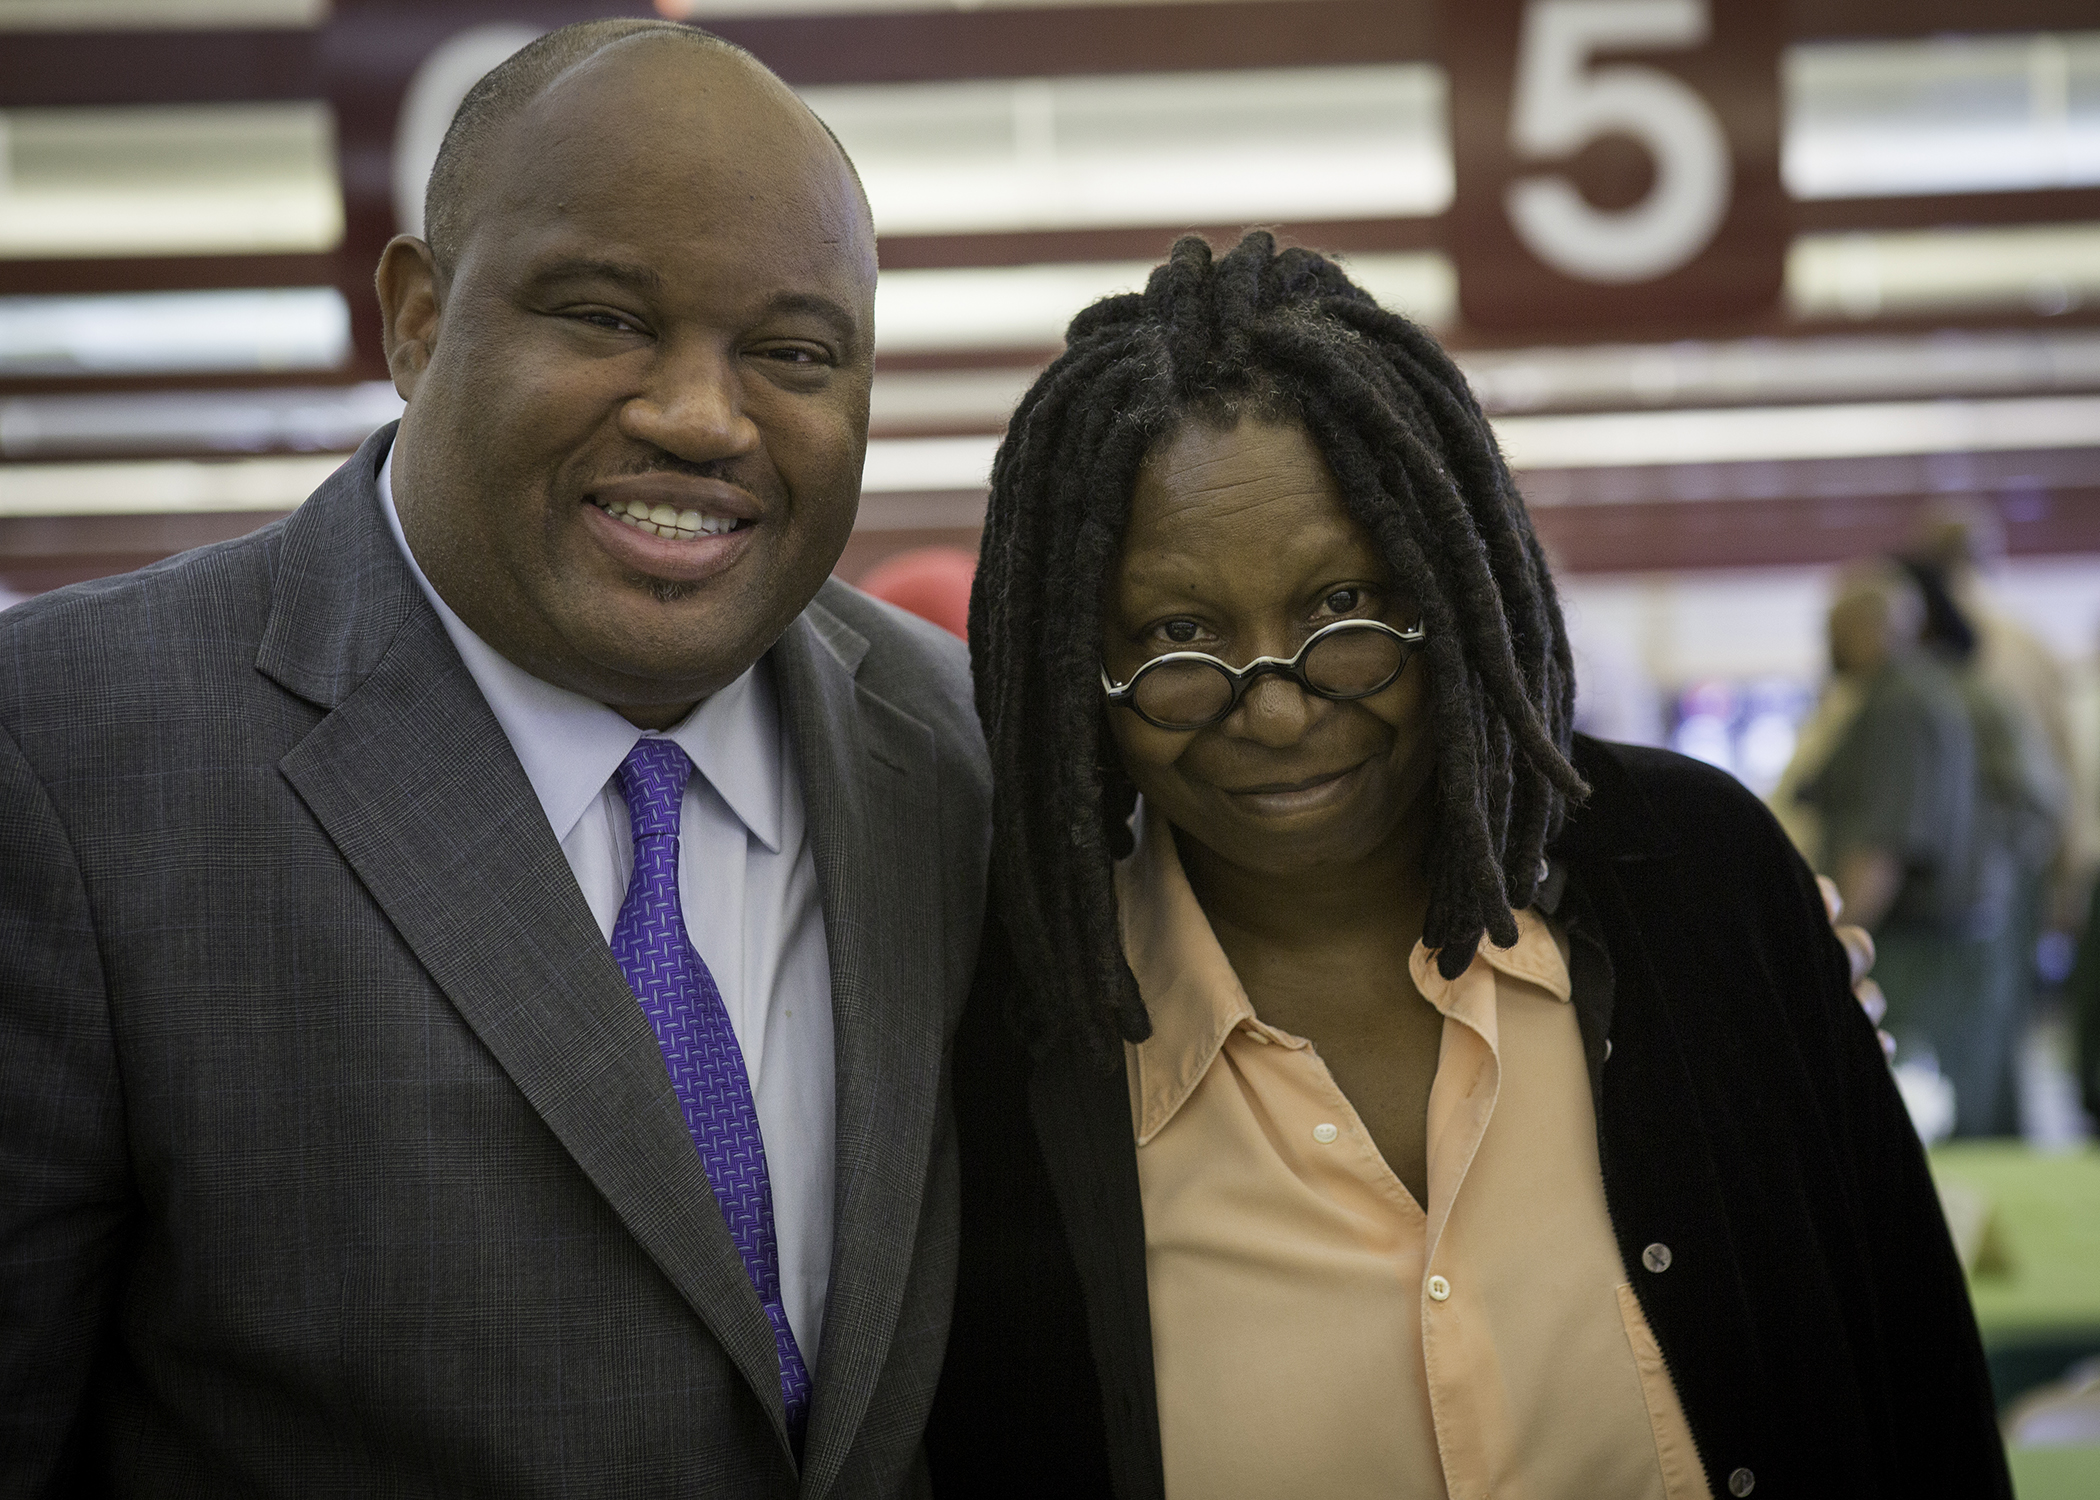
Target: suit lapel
{"x":413,"y":779}
{"x":869,"y":783}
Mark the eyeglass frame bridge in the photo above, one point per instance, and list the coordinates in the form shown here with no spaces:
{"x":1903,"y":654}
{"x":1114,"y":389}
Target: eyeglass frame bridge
{"x":1123,"y":695}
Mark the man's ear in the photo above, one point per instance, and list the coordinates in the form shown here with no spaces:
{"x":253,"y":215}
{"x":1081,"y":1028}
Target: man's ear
{"x":408,"y":308}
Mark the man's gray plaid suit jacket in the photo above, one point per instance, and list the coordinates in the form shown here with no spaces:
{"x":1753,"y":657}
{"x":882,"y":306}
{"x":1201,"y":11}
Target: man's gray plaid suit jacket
{"x":335,"y":1154}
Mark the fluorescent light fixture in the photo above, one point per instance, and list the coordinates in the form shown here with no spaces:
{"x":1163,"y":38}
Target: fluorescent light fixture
{"x":1763,"y":433}
{"x":1693,"y":373}
{"x":323,"y":419}
{"x":948,"y":398}
{"x":2044,"y":268}
{"x":190,"y":179}
{"x":168,"y":333}
{"x":1762,"y":371}
{"x":162,"y":486}
{"x":944,"y":510}
{"x":161,"y":15}
{"x":280,"y":482}
{"x":992,"y":307}
{"x":919,"y":464}
{"x":708,"y":10}
{"x":1027,"y":307}
{"x":905,"y":467}
{"x":1944,"y":115}
{"x":1612,"y":439}
{"x":1164,"y":149}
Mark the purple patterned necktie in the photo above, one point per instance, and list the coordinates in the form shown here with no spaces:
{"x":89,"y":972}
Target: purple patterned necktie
{"x":700,"y":1050}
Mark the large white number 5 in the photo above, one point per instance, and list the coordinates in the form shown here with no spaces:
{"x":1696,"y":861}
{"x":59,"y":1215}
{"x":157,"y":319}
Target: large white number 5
{"x":1562,"y":105}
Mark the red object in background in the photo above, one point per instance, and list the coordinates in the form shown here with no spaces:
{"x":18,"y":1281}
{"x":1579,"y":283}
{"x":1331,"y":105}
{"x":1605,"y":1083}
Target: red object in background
{"x":932,"y":582}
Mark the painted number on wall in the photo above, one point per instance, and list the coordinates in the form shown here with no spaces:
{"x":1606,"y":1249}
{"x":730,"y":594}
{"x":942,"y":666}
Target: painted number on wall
{"x":1565,"y":100}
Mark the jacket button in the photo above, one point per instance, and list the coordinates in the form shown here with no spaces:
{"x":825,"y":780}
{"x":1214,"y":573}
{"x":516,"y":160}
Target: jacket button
{"x":1657,"y":1258}
{"x":1741,"y":1483}
{"x":1607,"y":1049}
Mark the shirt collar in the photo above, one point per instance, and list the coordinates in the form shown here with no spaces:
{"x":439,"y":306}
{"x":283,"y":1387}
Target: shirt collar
{"x":1187,"y":983}
{"x":1196,"y":1001}
{"x":570,"y":745}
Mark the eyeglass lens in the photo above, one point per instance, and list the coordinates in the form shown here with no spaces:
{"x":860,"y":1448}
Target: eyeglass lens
{"x":1346,"y":664}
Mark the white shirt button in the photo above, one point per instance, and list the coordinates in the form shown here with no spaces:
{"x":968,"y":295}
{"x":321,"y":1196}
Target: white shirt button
{"x":1439,"y":1289}
{"x":1325,"y":1134}
{"x":1657,"y":1258}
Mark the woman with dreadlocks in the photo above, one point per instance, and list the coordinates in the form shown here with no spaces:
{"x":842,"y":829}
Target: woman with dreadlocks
{"x":1373,"y":1089}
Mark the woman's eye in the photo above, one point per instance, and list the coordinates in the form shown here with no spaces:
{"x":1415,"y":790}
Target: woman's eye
{"x":1344,"y":601}
{"x":1181,"y":632}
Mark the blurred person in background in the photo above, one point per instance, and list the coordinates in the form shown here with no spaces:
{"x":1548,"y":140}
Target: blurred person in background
{"x":1962,"y":541}
{"x":2022,"y":805}
{"x":1374,"y":1088}
{"x":1895,"y":800}
{"x":2082,"y":985}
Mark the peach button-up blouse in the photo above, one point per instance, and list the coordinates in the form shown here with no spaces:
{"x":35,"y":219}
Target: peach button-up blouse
{"x":1317,"y":1332}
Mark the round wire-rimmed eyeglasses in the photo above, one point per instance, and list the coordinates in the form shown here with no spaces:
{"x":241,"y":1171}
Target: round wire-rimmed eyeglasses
{"x":1194,"y":690}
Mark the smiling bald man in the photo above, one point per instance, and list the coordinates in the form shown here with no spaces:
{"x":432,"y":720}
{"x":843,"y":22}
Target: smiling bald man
{"x":476,"y":957}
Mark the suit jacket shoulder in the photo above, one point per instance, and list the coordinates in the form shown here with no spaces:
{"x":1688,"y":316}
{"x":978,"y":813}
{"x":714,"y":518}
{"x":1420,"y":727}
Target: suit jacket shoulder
{"x":140,"y":636}
{"x":1647,"y":801}
{"x":911,"y":663}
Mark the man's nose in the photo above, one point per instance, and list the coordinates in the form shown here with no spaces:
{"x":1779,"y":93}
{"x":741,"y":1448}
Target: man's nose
{"x":693,"y":407}
{"x":1274,"y":711}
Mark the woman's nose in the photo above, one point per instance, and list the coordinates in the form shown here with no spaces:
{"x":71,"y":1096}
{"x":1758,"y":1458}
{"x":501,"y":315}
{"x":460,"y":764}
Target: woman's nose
{"x":1274,"y":711}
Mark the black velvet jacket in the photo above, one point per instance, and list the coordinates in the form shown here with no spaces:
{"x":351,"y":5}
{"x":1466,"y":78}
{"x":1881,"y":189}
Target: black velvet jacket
{"x":1812,"y":1314}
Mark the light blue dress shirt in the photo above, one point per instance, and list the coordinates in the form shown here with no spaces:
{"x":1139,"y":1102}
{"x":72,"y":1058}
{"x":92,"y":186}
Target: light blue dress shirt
{"x":747,"y":883}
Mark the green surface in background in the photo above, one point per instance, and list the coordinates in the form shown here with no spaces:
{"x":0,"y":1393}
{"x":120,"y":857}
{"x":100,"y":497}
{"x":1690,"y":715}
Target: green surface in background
{"x":2044,"y":1310}
{"x":2056,"y":1473}
{"x":2048,"y":1209}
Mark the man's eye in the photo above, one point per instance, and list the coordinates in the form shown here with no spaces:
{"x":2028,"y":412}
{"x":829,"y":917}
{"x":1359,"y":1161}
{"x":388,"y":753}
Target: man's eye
{"x":612,"y":321}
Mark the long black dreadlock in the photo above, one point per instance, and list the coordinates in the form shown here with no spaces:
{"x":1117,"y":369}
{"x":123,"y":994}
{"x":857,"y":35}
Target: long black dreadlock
{"x":1289,"y":336}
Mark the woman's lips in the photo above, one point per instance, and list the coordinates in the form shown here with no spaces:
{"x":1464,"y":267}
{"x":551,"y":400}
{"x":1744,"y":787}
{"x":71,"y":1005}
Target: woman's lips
{"x":1283,"y":798}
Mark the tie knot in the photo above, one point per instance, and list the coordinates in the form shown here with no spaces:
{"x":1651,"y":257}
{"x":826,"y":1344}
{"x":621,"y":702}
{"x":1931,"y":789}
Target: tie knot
{"x":653,"y":779}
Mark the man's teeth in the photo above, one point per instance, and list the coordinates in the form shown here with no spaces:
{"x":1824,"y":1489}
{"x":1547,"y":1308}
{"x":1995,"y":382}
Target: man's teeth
{"x":664,"y":521}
